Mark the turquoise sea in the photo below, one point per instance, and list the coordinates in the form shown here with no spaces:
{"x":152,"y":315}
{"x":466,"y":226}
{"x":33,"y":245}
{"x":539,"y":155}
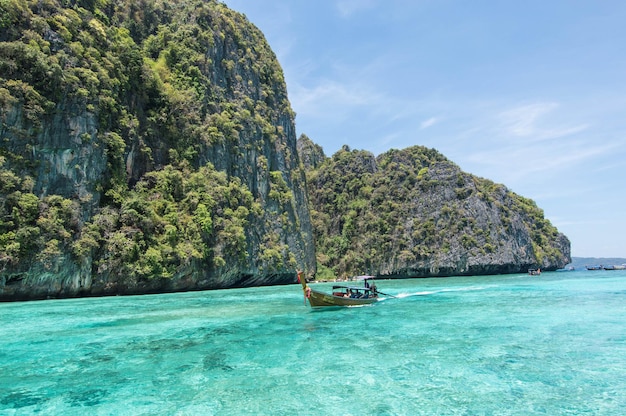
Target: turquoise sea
{"x":496,"y":345}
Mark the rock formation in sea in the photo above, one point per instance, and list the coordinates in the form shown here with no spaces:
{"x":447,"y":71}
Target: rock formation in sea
{"x":413,"y":213}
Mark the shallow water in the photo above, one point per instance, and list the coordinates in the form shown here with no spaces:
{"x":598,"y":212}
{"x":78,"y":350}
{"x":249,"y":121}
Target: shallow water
{"x":512,"y":344}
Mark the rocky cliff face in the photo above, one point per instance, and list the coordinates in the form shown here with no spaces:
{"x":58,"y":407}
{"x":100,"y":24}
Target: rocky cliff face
{"x":150,"y":147}
{"x":97,"y":98}
{"x":413,"y":213}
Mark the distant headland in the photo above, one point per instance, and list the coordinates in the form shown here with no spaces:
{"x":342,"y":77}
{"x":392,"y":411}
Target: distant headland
{"x":582,"y":262}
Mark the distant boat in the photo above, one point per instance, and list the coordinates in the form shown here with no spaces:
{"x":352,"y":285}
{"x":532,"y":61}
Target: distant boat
{"x":594,"y":267}
{"x":616,"y":267}
{"x":341,"y":295}
{"x":534,"y":272}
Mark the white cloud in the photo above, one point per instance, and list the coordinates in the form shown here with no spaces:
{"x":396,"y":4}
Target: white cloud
{"x":428,"y":123}
{"x":348,"y":8}
{"x":535,"y":146}
{"x":330,"y":100}
{"x":522,"y":121}
{"x":517,"y":164}
{"x":529,"y":121}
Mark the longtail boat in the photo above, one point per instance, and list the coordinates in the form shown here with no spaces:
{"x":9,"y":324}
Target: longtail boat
{"x":341,"y":295}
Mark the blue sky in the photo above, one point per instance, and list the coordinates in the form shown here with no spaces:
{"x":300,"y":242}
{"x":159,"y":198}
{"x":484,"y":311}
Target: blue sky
{"x":530,"y":94}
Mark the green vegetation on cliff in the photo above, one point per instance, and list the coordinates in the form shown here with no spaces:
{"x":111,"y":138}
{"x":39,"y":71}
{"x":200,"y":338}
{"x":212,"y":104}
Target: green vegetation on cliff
{"x":146,"y":139}
{"x":412,"y":212}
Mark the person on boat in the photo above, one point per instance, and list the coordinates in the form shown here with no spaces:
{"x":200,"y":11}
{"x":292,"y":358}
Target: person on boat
{"x":373,"y":289}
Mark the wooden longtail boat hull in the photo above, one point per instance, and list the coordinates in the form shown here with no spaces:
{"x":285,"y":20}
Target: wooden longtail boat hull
{"x":319,"y":299}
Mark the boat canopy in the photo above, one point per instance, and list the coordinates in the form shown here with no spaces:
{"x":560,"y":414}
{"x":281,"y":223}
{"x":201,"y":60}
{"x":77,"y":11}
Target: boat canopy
{"x":352,"y":288}
{"x":364,"y":277}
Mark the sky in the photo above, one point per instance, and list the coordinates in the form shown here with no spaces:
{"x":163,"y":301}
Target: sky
{"x":530,"y":94}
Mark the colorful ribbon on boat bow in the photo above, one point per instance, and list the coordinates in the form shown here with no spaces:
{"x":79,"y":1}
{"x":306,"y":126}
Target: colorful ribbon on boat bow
{"x":306,"y":290}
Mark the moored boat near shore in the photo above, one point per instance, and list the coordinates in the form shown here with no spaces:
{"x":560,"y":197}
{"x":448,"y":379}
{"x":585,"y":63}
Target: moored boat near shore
{"x":341,"y":295}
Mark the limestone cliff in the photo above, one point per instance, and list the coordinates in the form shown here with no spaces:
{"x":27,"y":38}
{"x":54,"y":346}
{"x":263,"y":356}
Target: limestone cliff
{"x":145,"y":147}
{"x":413,"y":213}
